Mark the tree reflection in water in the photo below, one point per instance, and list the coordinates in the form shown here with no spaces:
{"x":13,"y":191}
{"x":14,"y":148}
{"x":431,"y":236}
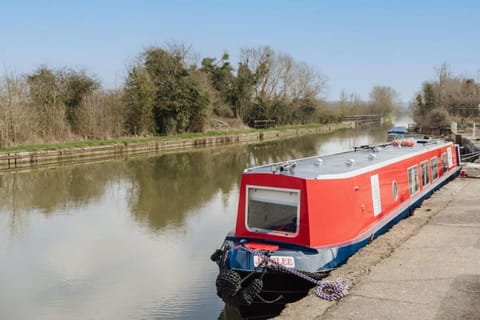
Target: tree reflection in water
{"x":101,"y":214}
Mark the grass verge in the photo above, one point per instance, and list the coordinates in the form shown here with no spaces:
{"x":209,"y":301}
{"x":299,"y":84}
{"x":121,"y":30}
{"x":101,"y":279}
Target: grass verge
{"x":129,"y":140}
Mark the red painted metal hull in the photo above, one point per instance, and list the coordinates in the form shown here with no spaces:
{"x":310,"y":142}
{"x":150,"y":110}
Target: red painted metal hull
{"x":338,"y":210}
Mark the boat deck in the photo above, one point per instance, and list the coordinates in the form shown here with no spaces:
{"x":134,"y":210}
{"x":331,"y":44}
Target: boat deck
{"x":345,"y":163}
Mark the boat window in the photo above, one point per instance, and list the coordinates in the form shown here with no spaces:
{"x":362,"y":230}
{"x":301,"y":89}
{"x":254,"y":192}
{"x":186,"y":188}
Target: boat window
{"x":273,"y":210}
{"x":444,"y":162}
{"x":395,"y":190}
{"x":425,"y":175}
{"x":434,"y":165}
{"x":413,"y":179}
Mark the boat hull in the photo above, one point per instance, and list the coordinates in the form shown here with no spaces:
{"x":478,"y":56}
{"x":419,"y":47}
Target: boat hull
{"x":281,"y":286}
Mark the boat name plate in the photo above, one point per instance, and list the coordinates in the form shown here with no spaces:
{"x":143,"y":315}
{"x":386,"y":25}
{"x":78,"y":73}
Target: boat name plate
{"x":285,"y":261}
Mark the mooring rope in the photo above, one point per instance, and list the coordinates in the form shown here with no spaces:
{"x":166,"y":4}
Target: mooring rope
{"x":326,"y":289}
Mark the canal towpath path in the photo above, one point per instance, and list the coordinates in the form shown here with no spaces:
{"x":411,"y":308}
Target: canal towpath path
{"x":425,"y":267}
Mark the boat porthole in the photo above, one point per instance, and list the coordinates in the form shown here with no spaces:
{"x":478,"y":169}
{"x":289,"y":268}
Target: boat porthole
{"x":395,"y":190}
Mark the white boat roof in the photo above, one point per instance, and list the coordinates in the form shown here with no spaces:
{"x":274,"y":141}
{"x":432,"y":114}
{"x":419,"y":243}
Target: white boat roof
{"x":344,"y":164}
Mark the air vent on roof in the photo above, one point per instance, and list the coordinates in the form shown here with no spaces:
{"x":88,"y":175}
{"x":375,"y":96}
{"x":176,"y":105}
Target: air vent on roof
{"x":284,"y":167}
{"x":350,"y":162}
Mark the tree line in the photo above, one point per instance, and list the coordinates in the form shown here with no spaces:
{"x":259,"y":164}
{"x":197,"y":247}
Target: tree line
{"x":168,"y":92}
{"x":445,"y":99}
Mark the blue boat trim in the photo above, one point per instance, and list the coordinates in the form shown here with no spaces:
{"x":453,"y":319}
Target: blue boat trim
{"x":397,"y":130}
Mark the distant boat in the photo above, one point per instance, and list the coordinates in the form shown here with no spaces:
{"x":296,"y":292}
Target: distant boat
{"x":397,"y":130}
{"x":396,"y":133}
{"x":310,"y":215}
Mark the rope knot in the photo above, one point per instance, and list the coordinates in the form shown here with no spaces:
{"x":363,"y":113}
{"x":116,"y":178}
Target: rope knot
{"x":331,"y":290}
{"x":326,"y":289}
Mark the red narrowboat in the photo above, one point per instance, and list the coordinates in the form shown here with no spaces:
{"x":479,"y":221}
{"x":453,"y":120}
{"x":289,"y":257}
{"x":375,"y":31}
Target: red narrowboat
{"x":312,"y":214}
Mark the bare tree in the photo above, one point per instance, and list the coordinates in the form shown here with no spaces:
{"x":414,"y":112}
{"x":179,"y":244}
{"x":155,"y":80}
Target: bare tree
{"x":100,"y":115}
{"x":351,"y":103}
{"x":279,"y":77}
{"x":184,"y":51}
{"x":443,"y":75}
{"x":45,"y":100}
{"x":383,"y":100}
{"x":14,"y":117}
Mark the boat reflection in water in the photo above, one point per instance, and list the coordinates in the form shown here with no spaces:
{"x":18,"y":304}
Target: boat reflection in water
{"x":257,"y":311}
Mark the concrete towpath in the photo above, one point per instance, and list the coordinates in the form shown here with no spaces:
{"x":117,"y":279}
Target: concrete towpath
{"x":426,"y":267}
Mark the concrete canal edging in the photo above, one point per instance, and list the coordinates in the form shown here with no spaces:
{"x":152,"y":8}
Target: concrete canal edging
{"x":20,"y":160}
{"x":409,"y":272}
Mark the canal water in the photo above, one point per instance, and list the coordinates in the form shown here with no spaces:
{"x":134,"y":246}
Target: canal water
{"x":131,"y":239}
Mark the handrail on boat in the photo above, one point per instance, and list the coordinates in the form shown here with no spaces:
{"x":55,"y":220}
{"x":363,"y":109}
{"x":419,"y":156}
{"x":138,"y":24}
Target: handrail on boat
{"x":370,"y":147}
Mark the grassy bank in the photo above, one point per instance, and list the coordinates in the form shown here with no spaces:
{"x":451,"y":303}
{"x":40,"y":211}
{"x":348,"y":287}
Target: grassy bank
{"x":52,"y":155}
{"x":134,"y":140}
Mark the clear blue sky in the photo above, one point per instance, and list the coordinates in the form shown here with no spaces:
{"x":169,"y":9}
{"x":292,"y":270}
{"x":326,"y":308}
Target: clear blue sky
{"x":355,"y":44}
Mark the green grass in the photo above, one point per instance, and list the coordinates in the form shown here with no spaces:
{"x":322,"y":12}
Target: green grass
{"x":130,"y":140}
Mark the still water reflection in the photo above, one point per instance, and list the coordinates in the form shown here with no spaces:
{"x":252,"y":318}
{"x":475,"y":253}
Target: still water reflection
{"x":130,"y":239}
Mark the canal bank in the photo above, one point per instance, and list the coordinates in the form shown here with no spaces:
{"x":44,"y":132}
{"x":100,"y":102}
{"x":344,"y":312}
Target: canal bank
{"x":24,"y":159}
{"x":471,"y":146}
{"x":425,"y":267}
